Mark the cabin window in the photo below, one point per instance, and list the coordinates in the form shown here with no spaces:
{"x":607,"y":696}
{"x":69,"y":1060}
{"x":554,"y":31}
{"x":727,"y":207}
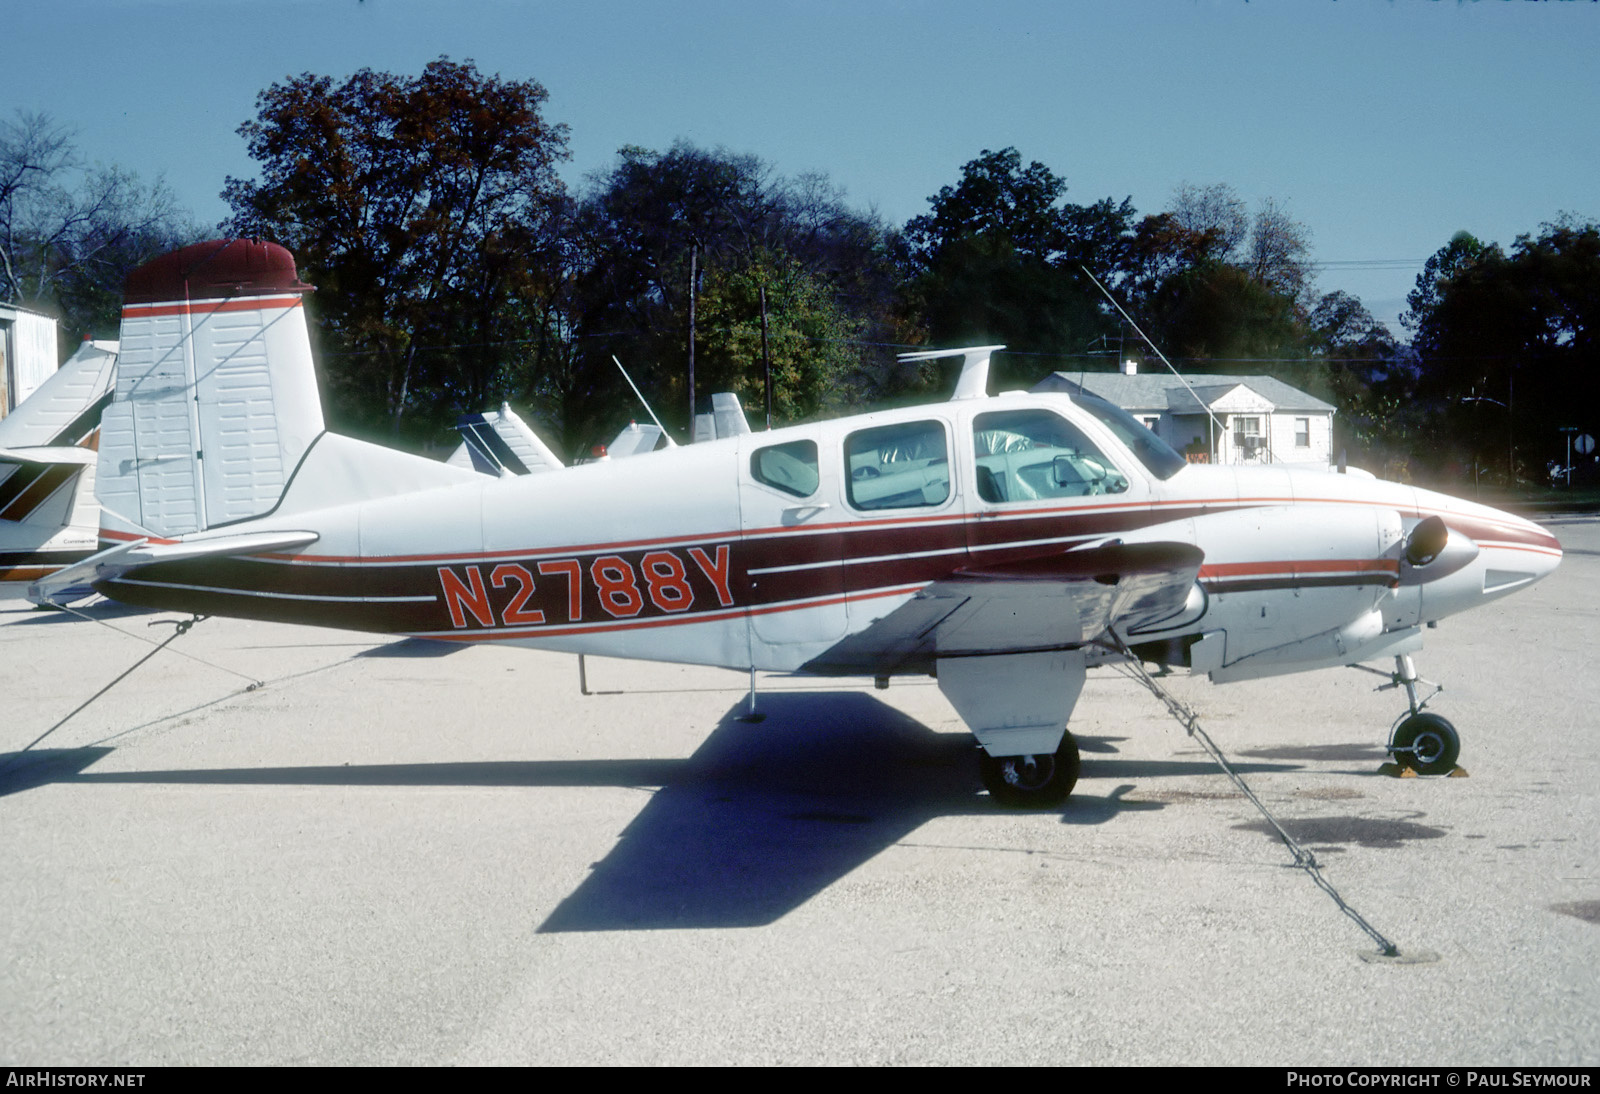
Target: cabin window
{"x":1029,"y":455}
{"x":790,"y":467}
{"x":1156,"y":455}
{"x":898,"y":466}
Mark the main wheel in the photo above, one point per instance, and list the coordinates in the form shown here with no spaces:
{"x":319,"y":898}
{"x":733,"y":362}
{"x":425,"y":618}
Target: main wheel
{"x":1426,"y":743}
{"x":1034,"y":780}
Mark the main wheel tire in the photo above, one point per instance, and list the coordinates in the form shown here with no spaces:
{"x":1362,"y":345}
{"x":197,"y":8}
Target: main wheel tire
{"x":1031,"y":781}
{"x":1427,"y":744}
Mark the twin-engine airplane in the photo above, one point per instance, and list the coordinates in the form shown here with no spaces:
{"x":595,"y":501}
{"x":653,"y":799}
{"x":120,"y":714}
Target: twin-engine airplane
{"x":1003,"y":544}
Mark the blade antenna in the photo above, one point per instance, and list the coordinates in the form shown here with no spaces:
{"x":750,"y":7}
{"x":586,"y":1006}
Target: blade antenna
{"x":1153,"y":347}
{"x":670,"y":442}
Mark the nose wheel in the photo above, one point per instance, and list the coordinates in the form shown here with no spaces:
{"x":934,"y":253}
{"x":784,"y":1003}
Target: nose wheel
{"x":1426,"y":743}
{"x":1422,"y":741}
{"x":1031,"y":781}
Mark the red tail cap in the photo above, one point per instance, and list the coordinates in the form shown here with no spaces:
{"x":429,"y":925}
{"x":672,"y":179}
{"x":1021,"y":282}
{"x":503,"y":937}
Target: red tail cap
{"x":218,"y":268}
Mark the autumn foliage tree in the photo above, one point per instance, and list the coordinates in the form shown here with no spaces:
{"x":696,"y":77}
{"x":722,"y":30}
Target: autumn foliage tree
{"x":426,"y":210}
{"x":664,"y":231}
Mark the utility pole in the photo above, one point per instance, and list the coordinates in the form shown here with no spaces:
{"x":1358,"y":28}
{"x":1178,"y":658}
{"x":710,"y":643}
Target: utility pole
{"x":766,"y":354}
{"x":694,"y":283}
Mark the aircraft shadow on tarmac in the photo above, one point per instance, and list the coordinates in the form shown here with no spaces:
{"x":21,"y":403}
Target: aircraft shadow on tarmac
{"x":414,"y":647}
{"x":761,"y":818}
{"x":103,"y":610}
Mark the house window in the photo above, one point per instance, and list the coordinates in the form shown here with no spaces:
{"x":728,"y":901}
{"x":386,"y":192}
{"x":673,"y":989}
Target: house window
{"x":1302,"y":432}
{"x":1247,"y":434}
{"x":1150,"y":423}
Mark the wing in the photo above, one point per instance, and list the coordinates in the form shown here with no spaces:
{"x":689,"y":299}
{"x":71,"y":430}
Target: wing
{"x":1057,"y":601}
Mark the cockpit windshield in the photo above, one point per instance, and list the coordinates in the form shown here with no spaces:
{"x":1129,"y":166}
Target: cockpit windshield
{"x":1152,"y":451}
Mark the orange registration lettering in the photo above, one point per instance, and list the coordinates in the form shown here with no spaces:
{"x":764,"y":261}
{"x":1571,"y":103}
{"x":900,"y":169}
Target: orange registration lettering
{"x":462,"y":598}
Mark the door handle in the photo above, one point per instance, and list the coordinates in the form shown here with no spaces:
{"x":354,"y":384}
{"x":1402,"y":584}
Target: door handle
{"x":798,"y":514}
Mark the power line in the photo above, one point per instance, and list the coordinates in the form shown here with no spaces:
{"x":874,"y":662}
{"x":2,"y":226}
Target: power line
{"x":1369,"y":264}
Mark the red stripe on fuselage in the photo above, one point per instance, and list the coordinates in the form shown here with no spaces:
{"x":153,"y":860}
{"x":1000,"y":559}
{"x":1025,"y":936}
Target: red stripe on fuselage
{"x":1301,"y":566}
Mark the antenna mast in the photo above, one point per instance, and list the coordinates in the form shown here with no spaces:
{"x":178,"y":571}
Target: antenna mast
{"x":1153,"y":347}
{"x":670,"y":442}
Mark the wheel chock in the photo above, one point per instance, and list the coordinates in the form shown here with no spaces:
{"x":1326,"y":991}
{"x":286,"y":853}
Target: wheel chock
{"x":1404,"y":771}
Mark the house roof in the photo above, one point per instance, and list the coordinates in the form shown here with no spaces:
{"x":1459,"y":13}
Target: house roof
{"x":1156,"y":392}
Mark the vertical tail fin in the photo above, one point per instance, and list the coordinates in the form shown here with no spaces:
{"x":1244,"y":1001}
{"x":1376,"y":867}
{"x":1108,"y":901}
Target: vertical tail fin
{"x":502,"y":444}
{"x":725,"y":420}
{"x":216,"y":396}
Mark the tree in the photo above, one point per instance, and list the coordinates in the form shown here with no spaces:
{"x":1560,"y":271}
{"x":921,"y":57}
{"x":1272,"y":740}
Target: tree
{"x":1277,"y":252}
{"x":1224,"y":288}
{"x":999,"y":257}
{"x":1370,"y":380}
{"x":811,"y":339}
{"x":1216,"y":313}
{"x":1272,"y":247}
{"x":1215,"y":215}
{"x":654,"y":217}
{"x":425,"y":209}
{"x":997,"y":198}
{"x":70,"y":233}
{"x":1463,"y":251}
{"x":1507,"y":343}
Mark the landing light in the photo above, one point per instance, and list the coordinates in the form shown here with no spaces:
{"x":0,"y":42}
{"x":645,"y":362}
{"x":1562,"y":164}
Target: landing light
{"x":1427,"y":539}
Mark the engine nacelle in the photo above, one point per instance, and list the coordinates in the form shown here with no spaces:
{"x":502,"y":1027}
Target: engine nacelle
{"x":1282,"y":585}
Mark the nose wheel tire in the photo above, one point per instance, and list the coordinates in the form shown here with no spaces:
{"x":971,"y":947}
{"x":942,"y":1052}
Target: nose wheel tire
{"x":1034,"y":780}
{"x":1427,"y":744}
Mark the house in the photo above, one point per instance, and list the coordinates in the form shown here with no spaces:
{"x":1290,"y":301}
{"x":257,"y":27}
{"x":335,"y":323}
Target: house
{"x":1215,"y":419}
{"x":28,"y":354}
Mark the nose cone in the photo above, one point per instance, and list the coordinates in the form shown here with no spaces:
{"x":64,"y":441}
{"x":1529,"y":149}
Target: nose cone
{"x":1513,"y":553}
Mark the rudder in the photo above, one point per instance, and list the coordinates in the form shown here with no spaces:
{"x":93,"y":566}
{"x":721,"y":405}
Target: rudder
{"x":216,"y":398}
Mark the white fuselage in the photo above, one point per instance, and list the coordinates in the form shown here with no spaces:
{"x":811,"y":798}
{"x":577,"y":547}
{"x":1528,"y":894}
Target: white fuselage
{"x":768,"y":549}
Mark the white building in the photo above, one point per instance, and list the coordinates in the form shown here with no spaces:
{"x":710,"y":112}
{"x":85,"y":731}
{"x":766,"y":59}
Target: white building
{"x":28,"y":354}
{"x":1251,"y":419}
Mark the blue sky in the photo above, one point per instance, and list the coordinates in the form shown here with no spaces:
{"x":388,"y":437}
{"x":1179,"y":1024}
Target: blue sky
{"x":1385,"y":127}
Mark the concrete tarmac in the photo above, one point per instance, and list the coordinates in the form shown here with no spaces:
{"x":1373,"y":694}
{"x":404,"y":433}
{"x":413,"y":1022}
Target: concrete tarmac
{"x":401,"y":852}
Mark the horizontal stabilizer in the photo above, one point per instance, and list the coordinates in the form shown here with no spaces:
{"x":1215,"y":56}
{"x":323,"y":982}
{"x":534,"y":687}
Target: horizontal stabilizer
{"x":76,"y":581}
{"x":65,"y":409}
{"x":973,"y":383}
{"x":634,"y":440}
{"x":66,"y":454}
